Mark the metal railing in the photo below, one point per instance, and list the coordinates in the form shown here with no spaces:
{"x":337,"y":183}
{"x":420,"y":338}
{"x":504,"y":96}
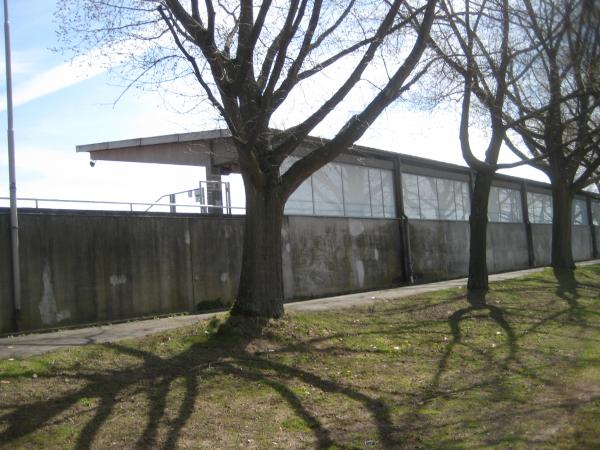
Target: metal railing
{"x":206,"y":190}
{"x":38,"y":203}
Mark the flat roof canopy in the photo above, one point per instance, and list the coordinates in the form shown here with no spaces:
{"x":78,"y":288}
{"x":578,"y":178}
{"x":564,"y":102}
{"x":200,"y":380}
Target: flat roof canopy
{"x":206,"y":148}
{"x":214,"y":149}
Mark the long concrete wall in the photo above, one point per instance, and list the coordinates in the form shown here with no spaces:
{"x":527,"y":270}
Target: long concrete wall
{"x":81,"y":267}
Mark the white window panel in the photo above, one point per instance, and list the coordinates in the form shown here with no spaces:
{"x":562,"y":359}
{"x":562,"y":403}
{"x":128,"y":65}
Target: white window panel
{"x":580,"y":216}
{"x":428,"y":198}
{"x":410,"y":196}
{"x":357,"y":198}
{"x":446,"y":199}
{"x":389,"y":199}
{"x":301,"y":201}
{"x":376,"y":191}
{"x":327,"y":189}
{"x":463,"y":200}
{"x":596,"y":212}
{"x":539,"y":207}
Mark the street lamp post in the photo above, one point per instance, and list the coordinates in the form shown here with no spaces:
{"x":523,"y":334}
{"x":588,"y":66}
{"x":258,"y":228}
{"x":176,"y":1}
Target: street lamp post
{"x":14,"y":222}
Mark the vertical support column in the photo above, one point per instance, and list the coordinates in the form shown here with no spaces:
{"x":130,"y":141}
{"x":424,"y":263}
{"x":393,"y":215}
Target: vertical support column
{"x":214,"y":195}
{"x":406,"y":255}
{"x":528,"y":229}
{"x":588,"y":202}
{"x":172,"y":207}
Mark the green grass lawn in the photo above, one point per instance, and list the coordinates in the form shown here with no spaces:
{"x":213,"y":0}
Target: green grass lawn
{"x":433,"y":371}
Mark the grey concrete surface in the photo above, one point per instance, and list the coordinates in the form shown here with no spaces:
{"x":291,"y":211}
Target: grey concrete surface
{"x":542,"y":243}
{"x":581,"y":240}
{"x":39,"y":343}
{"x":439,"y":249}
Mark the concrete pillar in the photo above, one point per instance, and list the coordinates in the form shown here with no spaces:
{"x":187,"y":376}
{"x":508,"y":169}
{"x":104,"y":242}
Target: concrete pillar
{"x":406,"y":255}
{"x":214,"y":194}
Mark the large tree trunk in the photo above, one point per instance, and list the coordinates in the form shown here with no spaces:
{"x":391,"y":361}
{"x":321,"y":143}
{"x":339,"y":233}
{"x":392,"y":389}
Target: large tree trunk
{"x":478,"y":220}
{"x":260,"y":291}
{"x":562,"y":202}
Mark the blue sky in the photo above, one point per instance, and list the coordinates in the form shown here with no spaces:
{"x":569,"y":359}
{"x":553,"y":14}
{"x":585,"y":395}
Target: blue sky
{"x":59,"y":105}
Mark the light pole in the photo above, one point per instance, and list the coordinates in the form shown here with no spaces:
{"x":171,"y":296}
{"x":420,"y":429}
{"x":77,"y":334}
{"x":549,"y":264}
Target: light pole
{"x":14,"y":222}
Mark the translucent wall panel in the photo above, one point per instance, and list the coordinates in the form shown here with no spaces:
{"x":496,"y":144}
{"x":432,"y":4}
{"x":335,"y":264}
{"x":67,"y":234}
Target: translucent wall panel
{"x":376,"y":191}
{"x":327,"y":191}
{"x":596,"y":212}
{"x":494,"y":206}
{"x":539,"y":207}
{"x":343,"y":189}
{"x":504,"y":205}
{"x":389,"y":199}
{"x":446,"y":199}
{"x":580,"y":216}
{"x":301,"y":201}
{"x":410,"y":195}
{"x":428,"y":198}
{"x":463,"y":200}
{"x":435,"y":198}
{"x":357,"y":196}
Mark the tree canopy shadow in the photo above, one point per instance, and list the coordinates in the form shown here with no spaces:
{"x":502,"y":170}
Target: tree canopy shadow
{"x":223,"y":353}
{"x":229,"y":351}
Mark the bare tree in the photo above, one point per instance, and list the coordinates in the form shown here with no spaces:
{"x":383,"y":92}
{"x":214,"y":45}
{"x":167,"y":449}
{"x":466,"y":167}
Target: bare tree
{"x":247,"y":59}
{"x":558,"y":104}
{"x":476,"y":47}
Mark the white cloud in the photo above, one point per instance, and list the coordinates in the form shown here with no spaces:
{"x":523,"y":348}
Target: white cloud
{"x":63,"y":75}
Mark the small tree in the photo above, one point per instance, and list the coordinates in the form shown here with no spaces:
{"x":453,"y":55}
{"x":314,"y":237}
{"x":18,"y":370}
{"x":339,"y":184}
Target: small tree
{"x":247,"y":59}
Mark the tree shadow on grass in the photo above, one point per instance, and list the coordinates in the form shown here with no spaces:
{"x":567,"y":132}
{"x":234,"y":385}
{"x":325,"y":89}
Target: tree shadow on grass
{"x":229,"y":352}
{"x":477,"y":303}
{"x":223,"y":353}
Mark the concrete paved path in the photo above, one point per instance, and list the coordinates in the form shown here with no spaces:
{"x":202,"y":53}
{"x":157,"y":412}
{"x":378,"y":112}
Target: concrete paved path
{"x":38,"y":343}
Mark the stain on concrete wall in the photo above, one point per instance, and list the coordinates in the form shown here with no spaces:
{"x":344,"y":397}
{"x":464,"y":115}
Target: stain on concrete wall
{"x":440,"y":249}
{"x":323,"y":256}
{"x":507,"y":247}
{"x":89,"y":267}
{"x":216,"y":258}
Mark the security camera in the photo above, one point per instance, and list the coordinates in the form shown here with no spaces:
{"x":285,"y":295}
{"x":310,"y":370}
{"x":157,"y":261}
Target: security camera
{"x":92,"y":163}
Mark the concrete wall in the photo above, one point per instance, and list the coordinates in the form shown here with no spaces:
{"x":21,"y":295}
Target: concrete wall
{"x":581,"y":237}
{"x":6,"y":307}
{"x":542,"y":243}
{"x":216,"y":259}
{"x":87,"y":268}
{"x":80,"y":267}
{"x":439,"y":249}
{"x":506,"y":247}
{"x":323,"y":256}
